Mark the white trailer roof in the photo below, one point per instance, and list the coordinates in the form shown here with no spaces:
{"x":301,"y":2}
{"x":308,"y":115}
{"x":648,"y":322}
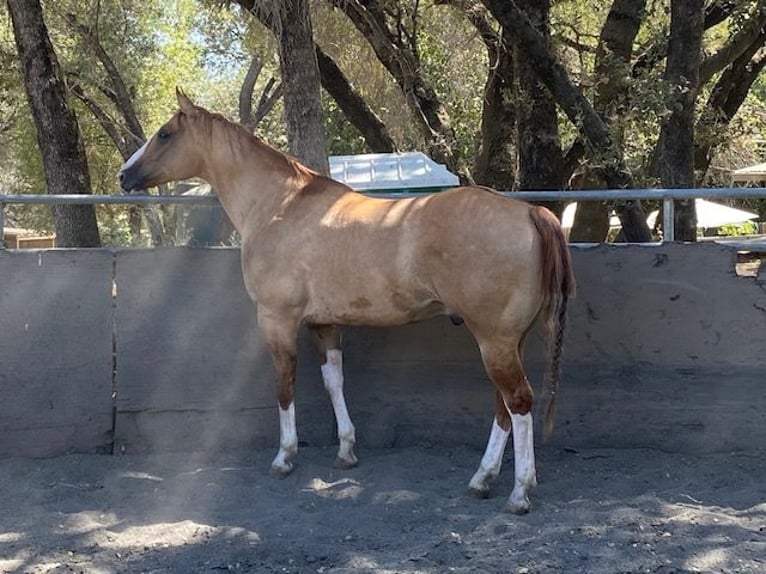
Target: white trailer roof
{"x":408,"y":171}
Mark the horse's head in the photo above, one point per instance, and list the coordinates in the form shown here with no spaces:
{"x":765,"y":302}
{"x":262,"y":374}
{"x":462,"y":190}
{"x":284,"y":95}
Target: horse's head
{"x":171,"y":154}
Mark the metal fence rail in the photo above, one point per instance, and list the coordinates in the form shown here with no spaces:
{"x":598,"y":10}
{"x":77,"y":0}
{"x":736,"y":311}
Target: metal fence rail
{"x":666,"y":196}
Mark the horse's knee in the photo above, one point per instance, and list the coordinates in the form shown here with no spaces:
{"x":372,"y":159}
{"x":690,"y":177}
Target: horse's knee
{"x":514,"y":394}
{"x":285,"y":396}
{"x":521,"y":397}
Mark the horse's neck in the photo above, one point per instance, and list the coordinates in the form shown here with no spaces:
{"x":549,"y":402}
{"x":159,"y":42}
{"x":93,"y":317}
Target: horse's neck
{"x":252,"y":187}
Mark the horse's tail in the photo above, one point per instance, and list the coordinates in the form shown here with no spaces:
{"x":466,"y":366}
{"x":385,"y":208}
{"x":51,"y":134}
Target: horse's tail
{"x":558,"y":285}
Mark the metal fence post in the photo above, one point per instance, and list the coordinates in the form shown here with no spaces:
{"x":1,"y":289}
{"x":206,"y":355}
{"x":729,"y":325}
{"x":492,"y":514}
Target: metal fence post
{"x":2,"y":226}
{"x":668,"y":220}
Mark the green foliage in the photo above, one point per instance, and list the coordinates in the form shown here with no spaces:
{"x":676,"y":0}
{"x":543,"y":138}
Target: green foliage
{"x":455,"y":62}
{"x":738,"y":229}
{"x":342,"y":137}
{"x":340,"y":39}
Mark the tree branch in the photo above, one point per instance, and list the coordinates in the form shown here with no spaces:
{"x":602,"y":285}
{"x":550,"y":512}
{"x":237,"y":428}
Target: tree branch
{"x":401,"y":60}
{"x":107,"y":123}
{"x":726,"y":97}
{"x":121,"y":94}
{"x":715,"y":13}
{"x":353,"y":105}
{"x":748,"y":36}
{"x":246,"y":92}
{"x":269,"y":96}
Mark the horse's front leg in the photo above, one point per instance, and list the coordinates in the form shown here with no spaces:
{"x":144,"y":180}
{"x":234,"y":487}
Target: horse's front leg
{"x":327,"y":341}
{"x":281,"y":336}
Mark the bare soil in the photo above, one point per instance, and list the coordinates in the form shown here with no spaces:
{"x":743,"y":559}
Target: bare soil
{"x":401,"y":511}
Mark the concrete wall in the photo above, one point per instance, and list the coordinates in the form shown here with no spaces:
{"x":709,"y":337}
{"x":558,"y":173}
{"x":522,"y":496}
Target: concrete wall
{"x":55,"y":352}
{"x":665,"y":349}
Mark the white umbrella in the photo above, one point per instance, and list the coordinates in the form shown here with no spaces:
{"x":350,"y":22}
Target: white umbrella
{"x":709,"y":214}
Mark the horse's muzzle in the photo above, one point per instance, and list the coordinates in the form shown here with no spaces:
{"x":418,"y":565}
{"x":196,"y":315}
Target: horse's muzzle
{"x":131,"y":181}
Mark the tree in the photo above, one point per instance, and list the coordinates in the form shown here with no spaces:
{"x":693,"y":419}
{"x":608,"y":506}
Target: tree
{"x":578,"y":109}
{"x":392,"y":31}
{"x":64,"y":161}
{"x":611,"y":99}
{"x":726,"y":98}
{"x":300,"y":76}
{"x":496,"y":159}
{"x":471,"y":88}
{"x":290,"y":22}
{"x":676,"y":147}
{"x":539,"y":146}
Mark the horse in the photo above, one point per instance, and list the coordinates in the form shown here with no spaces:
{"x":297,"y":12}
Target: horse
{"x":316,"y":253}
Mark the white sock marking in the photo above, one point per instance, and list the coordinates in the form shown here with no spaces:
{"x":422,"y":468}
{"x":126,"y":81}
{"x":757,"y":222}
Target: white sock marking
{"x":332,"y":374}
{"x":493,"y":457}
{"x":288,"y":438}
{"x":524,"y":459}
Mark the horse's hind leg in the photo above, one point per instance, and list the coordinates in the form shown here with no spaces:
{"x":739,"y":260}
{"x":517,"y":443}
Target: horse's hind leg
{"x":492,"y":460}
{"x":281,"y":336}
{"x":503,"y":364}
{"x":327,"y":340}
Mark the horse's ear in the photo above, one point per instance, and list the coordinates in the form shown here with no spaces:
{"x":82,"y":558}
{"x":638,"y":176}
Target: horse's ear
{"x":184,"y":103}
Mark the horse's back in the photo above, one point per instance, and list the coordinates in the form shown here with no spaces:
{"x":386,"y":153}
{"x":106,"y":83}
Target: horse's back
{"x":351,"y":259}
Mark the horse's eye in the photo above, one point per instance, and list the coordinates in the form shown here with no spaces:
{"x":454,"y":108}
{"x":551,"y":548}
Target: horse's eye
{"x":163,"y":134}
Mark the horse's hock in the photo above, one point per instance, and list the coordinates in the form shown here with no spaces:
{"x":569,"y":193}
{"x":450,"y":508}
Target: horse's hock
{"x":154,"y":350}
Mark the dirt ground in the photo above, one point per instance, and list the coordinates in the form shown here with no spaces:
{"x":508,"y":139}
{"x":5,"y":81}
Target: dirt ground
{"x":401,"y":511}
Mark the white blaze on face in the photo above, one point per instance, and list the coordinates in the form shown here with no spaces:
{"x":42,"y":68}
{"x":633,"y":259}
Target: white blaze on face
{"x":135,"y":157}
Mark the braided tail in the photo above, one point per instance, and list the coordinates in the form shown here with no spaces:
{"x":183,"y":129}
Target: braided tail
{"x":558,"y":285}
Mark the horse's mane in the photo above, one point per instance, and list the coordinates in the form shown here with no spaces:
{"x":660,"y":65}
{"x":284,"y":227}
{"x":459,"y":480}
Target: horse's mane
{"x":240,"y":140}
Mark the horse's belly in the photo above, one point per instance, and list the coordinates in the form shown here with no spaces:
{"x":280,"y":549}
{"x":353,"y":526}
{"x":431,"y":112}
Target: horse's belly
{"x":364,"y":310}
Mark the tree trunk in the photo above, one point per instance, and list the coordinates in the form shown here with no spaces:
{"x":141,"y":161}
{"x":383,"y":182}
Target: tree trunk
{"x":300,"y":79}
{"x":496,"y":161}
{"x":676,"y":141}
{"x":612,"y":70}
{"x":58,"y":135}
{"x":539,"y":147}
{"x":495,"y":164}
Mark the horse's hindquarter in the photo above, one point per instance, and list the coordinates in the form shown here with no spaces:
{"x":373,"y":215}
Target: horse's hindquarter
{"x":364,"y":261}
{"x":482,"y":253}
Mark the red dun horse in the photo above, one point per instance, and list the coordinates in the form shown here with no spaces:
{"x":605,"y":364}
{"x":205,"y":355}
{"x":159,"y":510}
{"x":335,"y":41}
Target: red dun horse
{"x":315,"y":252}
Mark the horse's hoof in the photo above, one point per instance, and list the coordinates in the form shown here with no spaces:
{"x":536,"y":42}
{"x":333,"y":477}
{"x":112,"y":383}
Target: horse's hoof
{"x":518,"y":507}
{"x":480,"y":492}
{"x":280,"y":472}
{"x":345,"y":464}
